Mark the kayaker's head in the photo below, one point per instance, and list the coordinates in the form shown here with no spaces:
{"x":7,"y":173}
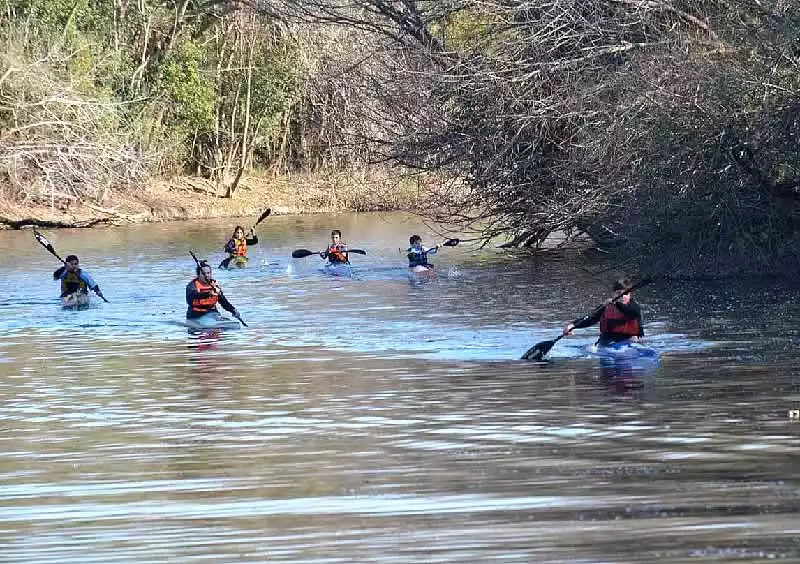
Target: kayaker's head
{"x":619,"y":285}
{"x":238,"y":232}
{"x":416,"y":241}
{"x":71,"y":263}
{"x":204,"y":272}
{"x":336,"y":236}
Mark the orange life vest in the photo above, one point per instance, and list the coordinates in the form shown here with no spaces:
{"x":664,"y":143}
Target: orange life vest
{"x":335,"y":253}
{"x":240,"y":247}
{"x":612,"y":312}
{"x":204,"y":305}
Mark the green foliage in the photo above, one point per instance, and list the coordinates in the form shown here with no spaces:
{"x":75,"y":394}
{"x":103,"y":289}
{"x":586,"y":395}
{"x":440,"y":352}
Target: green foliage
{"x":192,"y":96}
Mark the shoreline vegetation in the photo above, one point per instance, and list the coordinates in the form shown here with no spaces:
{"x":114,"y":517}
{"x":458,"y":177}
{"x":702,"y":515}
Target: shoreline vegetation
{"x":666,"y":132}
{"x":185,"y":198}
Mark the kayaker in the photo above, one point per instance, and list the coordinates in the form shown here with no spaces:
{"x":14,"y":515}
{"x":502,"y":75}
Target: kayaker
{"x":417,"y":254}
{"x":336,"y":253}
{"x":237,"y":245}
{"x":74,"y":280}
{"x":619,"y":320}
{"x":203,"y":293}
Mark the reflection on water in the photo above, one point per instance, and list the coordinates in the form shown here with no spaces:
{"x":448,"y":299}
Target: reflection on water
{"x":376,"y":420}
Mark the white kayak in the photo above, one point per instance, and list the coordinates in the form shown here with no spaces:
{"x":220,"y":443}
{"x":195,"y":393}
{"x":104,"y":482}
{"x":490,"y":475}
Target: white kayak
{"x":338,"y":269}
{"x":238,"y":262}
{"x":212,"y":320}
{"x":421,"y":272}
{"x":76,"y":300}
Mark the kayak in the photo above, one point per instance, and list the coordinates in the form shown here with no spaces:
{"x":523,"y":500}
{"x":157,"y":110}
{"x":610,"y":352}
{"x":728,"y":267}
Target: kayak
{"x":76,"y":300}
{"x":212,"y":320}
{"x":421,"y":272}
{"x":623,"y":350}
{"x":626,"y":365}
{"x":238,"y":262}
{"x":338,"y":269}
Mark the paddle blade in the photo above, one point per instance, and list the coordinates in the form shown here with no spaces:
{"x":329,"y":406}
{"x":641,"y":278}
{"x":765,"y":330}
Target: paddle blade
{"x":46,"y":244}
{"x":537,"y":351}
{"x":239,"y":317}
{"x":302,"y":253}
{"x":262,"y":217}
{"x":451,"y":243}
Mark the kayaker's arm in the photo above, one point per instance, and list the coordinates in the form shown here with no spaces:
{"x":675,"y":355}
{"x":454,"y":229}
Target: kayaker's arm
{"x":230,"y":246}
{"x":59,"y":273}
{"x":86,"y":277}
{"x":631,"y":310}
{"x":589,"y":320}
{"x":252,"y":240}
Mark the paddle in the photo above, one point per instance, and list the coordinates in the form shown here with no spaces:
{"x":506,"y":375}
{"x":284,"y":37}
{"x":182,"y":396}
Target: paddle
{"x":261,"y":218}
{"x":236,"y":315}
{"x":49,"y":246}
{"x":264,"y":215}
{"x":303,"y":253}
{"x":447,"y":243}
{"x":537,"y":351}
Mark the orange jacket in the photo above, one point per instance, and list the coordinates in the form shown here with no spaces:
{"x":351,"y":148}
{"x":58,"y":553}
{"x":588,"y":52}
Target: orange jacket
{"x":206,"y":300}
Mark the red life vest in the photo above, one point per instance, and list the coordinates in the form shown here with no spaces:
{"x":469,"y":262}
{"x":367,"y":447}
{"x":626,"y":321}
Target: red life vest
{"x":612,"y":312}
{"x":240,"y":247}
{"x":204,"y":305}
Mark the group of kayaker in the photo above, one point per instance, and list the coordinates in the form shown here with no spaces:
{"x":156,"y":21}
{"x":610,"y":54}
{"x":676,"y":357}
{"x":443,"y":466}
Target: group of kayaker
{"x":620,"y":318}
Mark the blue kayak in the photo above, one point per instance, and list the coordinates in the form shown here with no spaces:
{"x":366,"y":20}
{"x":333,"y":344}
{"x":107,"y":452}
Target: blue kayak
{"x":623,"y":350}
{"x":212,"y":320}
{"x":338,"y":269}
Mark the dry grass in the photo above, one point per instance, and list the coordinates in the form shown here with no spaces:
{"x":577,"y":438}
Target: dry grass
{"x":195,"y":198}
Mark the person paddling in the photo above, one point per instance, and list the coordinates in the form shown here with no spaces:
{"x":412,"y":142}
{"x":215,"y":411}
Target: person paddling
{"x":74,"y":280}
{"x":417,"y":254}
{"x":236,"y":247}
{"x":619,"y":320}
{"x":336,"y":252}
{"x":203,"y":294}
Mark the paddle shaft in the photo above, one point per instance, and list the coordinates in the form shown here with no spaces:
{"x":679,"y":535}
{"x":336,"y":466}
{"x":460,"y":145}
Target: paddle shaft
{"x":261,"y":218}
{"x":446,"y":243}
{"x":303,"y":253}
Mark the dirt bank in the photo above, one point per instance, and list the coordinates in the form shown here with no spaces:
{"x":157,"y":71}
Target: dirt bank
{"x":196,"y":198}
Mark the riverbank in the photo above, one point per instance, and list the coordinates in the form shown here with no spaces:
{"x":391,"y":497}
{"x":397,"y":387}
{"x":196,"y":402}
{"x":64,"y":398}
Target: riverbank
{"x":186,"y":198}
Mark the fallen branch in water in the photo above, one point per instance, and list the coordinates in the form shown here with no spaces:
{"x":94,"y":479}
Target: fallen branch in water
{"x":30,"y":222}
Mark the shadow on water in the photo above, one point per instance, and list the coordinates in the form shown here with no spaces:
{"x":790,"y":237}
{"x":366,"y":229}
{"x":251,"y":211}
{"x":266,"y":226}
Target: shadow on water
{"x":377,"y":420}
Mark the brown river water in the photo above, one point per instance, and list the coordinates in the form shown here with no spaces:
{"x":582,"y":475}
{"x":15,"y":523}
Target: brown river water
{"x":373,"y":418}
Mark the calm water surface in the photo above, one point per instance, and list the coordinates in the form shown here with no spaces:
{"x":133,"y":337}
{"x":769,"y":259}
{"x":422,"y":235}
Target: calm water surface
{"x":377,"y":420}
